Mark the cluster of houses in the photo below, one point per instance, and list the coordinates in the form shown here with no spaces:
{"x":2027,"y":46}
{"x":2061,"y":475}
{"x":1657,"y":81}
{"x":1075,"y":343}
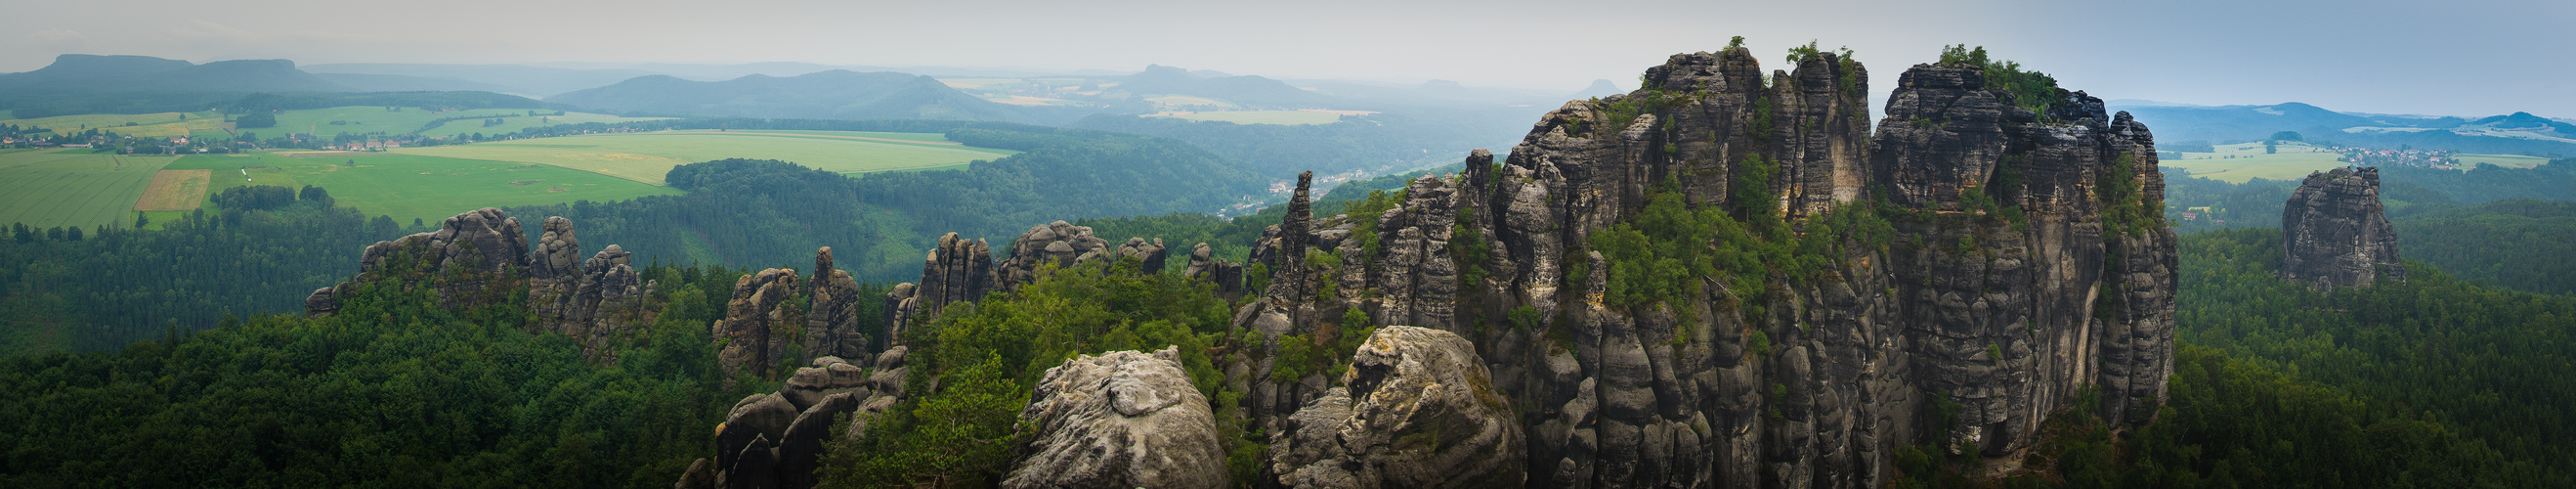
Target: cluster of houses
{"x":2419,"y":158}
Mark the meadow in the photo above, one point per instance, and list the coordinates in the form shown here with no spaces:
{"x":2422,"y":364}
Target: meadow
{"x":2237,"y":163}
{"x":164,"y":124}
{"x":48,"y":188}
{"x":1280,"y":117}
{"x":363,"y":119}
{"x":414,"y":186}
{"x":646,"y":157}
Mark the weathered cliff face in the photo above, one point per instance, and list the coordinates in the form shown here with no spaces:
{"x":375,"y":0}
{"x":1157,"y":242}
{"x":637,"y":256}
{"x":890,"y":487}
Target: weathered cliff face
{"x":2023,"y":267}
{"x":2334,"y":233}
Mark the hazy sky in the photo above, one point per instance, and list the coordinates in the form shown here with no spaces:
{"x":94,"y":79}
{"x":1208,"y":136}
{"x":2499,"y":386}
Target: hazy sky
{"x":2417,"y":56}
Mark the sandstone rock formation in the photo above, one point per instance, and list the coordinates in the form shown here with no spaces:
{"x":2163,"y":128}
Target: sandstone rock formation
{"x":832,"y":325}
{"x":1121,"y":419}
{"x":1057,"y":243}
{"x":482,"y":248}
{"x":1228,"y":276}
{"x":2334,"y":233}
{"x":1980,"y":263}
{"x":1813,"y":379}
{"x":777,"y":440}
{"x":1149,"y":254}
{"x":752,"y":330}
{"x":1420,"y":410}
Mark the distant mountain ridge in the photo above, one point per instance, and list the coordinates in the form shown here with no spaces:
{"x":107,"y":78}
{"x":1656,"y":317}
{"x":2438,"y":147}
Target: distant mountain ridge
{"x":87,"y":73}
{"x":2518,"y":133}
{"x":835,"y":94}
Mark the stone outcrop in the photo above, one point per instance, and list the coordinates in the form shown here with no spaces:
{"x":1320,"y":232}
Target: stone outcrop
{"x":1812,"y":379}
{"x":1149,"y":254}
{"x":832,"y":324}
{"x":752,"y":330}
{"x":2334,"y":233}
{"x":472,"y":259}
{"x":956,"y":270}
{"x":1058,"y":243}
{"x":1987,"y":259}
{"x":1418,"y":410}
{"x":1121,"y":419}
{"x":478,"y":257}
{"x":769,"y":441}
{"x":1228,"y":276}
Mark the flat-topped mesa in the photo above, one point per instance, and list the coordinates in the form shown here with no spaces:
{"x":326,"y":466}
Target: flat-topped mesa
{"x":2334,"y":232}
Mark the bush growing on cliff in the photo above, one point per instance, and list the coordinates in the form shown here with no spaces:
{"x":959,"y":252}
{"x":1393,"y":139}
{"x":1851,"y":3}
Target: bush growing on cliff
{"x":986,"y":359}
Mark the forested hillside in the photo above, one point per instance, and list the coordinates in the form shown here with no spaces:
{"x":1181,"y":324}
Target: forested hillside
{"x":2489,"y":361}
{"x":2499,"y":226}
{"x":769,"y":213}
{"x":98,"y":289}
{"x":395,"y":388}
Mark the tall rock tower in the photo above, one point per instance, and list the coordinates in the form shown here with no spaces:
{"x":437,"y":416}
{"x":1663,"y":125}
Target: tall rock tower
{"x":2334,"y":233}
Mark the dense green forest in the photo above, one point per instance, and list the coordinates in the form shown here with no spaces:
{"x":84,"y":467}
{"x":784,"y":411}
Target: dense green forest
{"x":2482,"y":225}
{"x":394,"y":389}
{"x":2432,"y":383}
{"x":261,"y":250}
{"x":771,"y":213}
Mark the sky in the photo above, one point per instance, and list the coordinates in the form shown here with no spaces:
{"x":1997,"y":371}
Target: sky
{"x":2469,"y":58}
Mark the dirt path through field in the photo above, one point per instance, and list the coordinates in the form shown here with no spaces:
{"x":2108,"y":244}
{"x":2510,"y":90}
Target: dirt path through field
{"x":175,"y":190}
{"x":826,"y":136}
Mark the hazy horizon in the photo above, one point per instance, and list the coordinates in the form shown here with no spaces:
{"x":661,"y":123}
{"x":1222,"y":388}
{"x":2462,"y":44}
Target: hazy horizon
{"x":2373,"y":56}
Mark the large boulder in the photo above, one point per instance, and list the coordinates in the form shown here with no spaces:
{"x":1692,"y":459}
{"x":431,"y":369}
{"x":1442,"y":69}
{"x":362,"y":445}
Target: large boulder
{"x":1121,"y":419}
{"x":1418,"y":409}
{"x":751,"y":319}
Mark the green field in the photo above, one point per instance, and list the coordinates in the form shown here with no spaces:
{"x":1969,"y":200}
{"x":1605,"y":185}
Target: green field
{"x":48,"y":188}
{"x":165,"y":124}
{"x":413,"y":186}
{"x":2294,"y":161}
{"x":362,"y":119}
{"x":1280,"y":117}
{"x":646,"y":157}
{"x":2507,"y":161}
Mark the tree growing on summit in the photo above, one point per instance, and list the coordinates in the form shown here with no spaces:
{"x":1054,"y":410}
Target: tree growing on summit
{"x":2285,"y":136}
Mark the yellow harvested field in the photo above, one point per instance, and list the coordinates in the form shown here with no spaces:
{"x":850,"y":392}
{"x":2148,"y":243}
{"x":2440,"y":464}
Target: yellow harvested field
{"x":175,"y":190}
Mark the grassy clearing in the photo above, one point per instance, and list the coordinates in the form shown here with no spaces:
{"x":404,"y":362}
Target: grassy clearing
{"x":73,"y":187}
{"x":1280,"y":117}
{"x":175,"y":190}
{"x":2507,"y":161}
{"x":2237,"y":163}
{"x":646,"y":157}
{"x":160,"y":125}
{"x":414,"y":186}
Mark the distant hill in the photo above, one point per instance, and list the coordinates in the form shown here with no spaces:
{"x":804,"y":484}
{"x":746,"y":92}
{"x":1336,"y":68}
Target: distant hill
{"x":1245,"y":90}
{"x":85,"y":73}
{"x":836,"y":94}
{"x":2517,"y":133}
{"x":406,"y":83}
